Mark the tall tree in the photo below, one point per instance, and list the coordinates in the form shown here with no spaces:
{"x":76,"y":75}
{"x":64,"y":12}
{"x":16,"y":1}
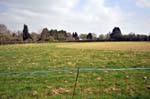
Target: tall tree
{"x":26,"y":34}
{"x":90,"y":36}
{"x":75,"y":36}
{"x":44,"y":34}
{"x":116,"y":34}
{"x":62,"y":35}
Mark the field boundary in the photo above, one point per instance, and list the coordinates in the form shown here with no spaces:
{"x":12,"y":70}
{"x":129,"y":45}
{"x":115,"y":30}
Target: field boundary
{"x":74,"y":70}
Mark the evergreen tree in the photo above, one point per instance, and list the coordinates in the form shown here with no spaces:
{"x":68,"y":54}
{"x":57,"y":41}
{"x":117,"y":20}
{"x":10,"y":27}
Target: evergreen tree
{"x":75,"y":36}
{"x":89,"y":36}
{"x":26,"y":34}
{"x":116,"y":34}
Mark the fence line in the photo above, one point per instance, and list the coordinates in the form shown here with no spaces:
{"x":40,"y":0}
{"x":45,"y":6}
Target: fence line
{"x":74,"y":70}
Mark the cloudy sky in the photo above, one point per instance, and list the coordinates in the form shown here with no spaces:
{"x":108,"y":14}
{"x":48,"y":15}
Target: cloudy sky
{"x":82,"y":16}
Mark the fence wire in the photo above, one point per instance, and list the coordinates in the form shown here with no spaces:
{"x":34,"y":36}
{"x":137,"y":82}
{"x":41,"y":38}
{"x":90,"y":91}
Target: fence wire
{"x":123,"y":83}
{"x":74,"y":70}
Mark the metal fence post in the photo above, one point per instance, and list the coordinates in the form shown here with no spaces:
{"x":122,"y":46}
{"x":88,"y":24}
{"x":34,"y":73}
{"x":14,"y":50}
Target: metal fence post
{"x":75,"y":84}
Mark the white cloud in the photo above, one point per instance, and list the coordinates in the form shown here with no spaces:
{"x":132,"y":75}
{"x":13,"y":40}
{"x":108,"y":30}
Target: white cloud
{"x":93,"y":16}
{"x":143,"y":3}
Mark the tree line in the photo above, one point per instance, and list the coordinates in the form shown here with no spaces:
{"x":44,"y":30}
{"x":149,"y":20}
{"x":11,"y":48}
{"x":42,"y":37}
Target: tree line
{"x":55,"y":35}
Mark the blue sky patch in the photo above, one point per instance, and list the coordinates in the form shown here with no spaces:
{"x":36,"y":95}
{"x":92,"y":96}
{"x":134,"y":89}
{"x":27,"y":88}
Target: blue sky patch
{"x":3,"y":8}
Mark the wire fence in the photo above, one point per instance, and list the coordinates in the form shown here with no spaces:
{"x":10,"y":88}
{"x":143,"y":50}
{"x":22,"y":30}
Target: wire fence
{"x":84,"y":83}
{"x":74,"y":70}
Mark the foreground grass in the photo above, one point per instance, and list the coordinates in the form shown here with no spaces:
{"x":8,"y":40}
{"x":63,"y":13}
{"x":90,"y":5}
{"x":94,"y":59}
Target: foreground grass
{"x":93,"y":85}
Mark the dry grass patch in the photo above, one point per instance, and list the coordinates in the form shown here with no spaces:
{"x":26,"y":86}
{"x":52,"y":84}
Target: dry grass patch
{"x":59,"y":91}
{"x":123,"y":46}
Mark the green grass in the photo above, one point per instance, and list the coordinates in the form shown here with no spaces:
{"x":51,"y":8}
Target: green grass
{"x":43,"y":57}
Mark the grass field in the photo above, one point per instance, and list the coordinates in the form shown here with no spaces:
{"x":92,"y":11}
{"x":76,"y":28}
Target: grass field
{"x":90,"y":85}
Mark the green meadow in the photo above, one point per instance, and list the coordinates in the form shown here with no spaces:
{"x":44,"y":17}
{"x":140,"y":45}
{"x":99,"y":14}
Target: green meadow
{"x":67,"y":56}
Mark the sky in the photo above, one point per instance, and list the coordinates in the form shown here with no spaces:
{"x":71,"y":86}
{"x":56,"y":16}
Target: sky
{"x":82,"y":16}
